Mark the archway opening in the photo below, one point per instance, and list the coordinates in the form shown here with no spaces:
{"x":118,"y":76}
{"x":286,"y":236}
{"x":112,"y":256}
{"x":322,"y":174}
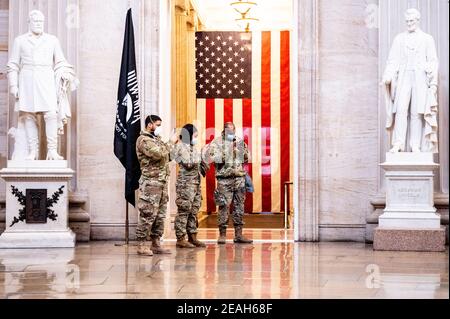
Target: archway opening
{"x":224,"y":73}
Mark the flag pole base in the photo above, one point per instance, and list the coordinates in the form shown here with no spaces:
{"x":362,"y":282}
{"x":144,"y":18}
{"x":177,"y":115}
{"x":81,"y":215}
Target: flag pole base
{"x":127,"y":229}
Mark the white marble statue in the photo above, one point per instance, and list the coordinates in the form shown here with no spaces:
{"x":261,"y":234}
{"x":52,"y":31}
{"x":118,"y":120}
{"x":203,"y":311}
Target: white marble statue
{"x":411,"y":82}
{"x":41,"y":80}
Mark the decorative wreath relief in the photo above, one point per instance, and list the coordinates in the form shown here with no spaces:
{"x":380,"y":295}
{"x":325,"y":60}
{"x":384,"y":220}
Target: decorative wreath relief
{"x":21,"y":198}
{"x":50,"y":213}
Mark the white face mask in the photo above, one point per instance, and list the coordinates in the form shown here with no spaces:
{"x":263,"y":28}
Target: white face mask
{"x":230,"y":137}
{"x":194,"y":141}
{"x":157,"y":132}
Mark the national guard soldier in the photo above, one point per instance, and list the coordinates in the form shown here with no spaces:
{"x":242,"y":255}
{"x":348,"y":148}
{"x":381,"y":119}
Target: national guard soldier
{"x":229,"y":153}
{"x":154,"y":156}
{"x":189,"y":195}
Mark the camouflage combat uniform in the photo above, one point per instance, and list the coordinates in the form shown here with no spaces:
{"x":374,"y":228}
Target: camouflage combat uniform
{"x":229,"y":158}
{"x":154,"y":157}
{"x":189,"y":195}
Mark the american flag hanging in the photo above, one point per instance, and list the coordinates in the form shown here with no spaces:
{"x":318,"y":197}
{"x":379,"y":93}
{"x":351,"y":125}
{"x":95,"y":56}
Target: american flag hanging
{"x":223,"y":65}
{"x":245,"y":78}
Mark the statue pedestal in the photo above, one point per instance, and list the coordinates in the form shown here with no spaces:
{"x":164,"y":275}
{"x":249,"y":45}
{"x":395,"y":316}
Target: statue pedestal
{"x":37,"y":205}
{"x":410,"y":221}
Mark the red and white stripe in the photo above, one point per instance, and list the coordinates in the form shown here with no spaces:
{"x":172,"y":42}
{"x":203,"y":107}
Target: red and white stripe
{"x":263,"y":121}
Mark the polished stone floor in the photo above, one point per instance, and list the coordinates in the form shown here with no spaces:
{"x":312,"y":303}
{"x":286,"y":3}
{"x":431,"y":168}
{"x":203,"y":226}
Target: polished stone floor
{"x":272,"y":267}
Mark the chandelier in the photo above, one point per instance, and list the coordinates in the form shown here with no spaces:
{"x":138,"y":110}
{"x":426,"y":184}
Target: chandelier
{"x":243,"y":7}
{"x":246,"y":23}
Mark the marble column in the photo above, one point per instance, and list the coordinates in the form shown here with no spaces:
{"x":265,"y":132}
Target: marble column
{"x":4,"y":18}
{"x":306,"y":188}
{"x":150,"y":55}
{"x":100,"y":51}
{"x":336,"y":122}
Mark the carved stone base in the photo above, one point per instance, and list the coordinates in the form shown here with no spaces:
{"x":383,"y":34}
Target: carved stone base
{"x":39,"y":220}
{"x":47,"y":239}
{"x":441,"y":202}
{"x":409,"y":239}
{"x":409,"y":192}
{"x":410,"y":221}
{"x":79,"y":218}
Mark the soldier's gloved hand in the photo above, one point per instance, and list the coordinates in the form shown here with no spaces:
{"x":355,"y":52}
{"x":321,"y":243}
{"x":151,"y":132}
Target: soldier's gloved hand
{"x":174,"y":137}
{"x":238,"y":150}
{"x":240,"y":147}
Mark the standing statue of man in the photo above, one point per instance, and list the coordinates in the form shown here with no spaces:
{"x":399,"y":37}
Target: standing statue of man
{"x":40,"y":79}
{"x":411,"y":81}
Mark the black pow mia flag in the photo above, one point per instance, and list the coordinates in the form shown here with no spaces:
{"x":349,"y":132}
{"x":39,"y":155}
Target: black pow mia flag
{"x":128,"y":118}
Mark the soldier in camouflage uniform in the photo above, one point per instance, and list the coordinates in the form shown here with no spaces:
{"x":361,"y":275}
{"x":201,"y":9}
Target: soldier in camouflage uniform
{"x":154,"y":156}
{"x":229,"y":153}
{"x":189,"y":195}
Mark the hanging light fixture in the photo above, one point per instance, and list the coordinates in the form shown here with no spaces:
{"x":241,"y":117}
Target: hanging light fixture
{"x":243,"y":6}
{"x":246,"y":23}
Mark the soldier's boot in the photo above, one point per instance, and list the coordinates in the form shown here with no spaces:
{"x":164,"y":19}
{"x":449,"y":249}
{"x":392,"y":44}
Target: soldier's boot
{"x":194,"y":241}
{"x":222,"y":236}
{"x":183,"y":243}
{"x":156,"y":247}
{"x":51,"y":129}
{"x":239,"y":238}
{"x":143,"y":249}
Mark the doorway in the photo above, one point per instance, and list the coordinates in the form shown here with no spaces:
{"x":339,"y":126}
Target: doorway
{"x":263,"y":114}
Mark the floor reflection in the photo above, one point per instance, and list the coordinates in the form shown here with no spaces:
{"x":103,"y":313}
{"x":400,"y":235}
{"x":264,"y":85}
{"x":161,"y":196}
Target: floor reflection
{"x":262,"y":270}
{"x":38,"y":273}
